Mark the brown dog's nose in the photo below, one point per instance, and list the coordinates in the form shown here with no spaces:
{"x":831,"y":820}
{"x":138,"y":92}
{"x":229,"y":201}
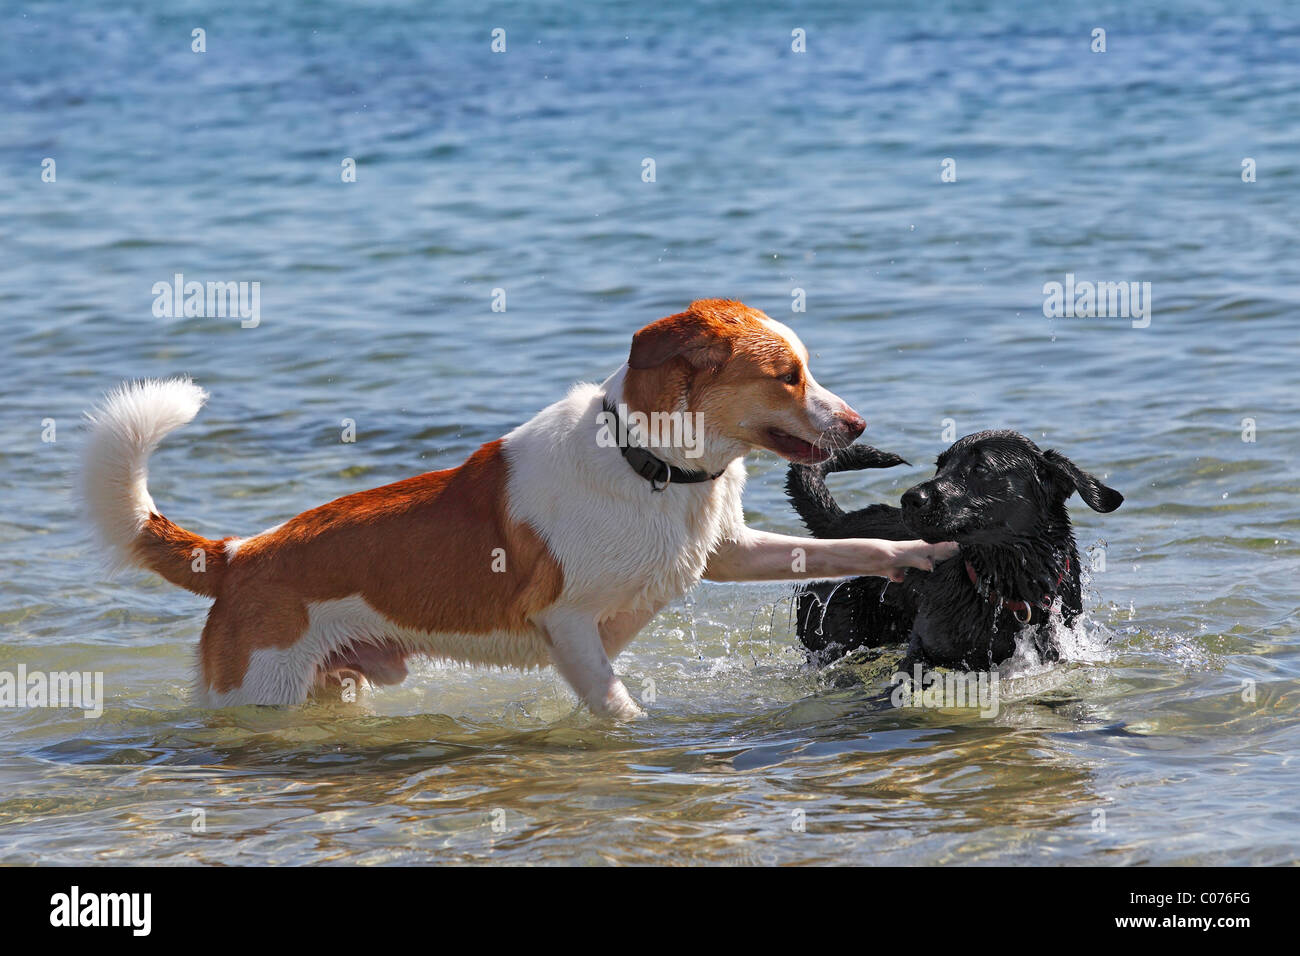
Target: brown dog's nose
{"x":852,"y":423}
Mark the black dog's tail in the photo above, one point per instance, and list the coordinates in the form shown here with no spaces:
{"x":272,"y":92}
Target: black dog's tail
{"x":805,"y":485}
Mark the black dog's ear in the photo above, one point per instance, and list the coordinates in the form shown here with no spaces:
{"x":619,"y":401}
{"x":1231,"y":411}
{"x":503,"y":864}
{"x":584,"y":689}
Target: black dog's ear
{"x":1069,"y":477}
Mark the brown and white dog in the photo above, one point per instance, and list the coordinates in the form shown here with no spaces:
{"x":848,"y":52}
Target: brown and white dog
{"x":548,"y":546}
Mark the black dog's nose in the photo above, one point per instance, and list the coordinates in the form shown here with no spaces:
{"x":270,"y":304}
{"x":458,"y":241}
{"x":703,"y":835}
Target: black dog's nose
{"x":916,"y":498}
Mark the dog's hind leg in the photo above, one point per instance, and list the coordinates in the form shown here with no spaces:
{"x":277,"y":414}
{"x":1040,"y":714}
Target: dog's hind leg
{"x":250,"y":652}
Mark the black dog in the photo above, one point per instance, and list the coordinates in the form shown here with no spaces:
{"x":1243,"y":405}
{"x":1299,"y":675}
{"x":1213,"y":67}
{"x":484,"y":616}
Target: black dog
{"x":1002,"y":499}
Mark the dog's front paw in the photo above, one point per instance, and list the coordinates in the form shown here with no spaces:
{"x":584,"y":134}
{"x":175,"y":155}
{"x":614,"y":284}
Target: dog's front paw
{"x":921,"y":555}
{"x":618,"y":705}
{"x":943,"y":551}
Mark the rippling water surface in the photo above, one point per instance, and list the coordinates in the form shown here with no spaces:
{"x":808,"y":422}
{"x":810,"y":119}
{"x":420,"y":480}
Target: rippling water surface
{"x":1169,"y":736}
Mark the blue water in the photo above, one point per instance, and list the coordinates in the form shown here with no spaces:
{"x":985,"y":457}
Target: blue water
{"x":1176,"y":713}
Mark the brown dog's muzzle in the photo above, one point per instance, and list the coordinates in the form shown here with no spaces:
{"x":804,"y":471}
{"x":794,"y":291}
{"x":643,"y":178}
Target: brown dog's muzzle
{"x":850,"y":424}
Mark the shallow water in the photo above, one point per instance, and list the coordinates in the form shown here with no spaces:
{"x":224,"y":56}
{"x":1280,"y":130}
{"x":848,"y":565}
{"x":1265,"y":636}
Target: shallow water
{"x":774,"y":171}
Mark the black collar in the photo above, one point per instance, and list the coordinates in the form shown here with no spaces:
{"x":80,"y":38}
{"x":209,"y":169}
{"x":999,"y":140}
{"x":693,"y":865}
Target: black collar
{"x":649,"y":467}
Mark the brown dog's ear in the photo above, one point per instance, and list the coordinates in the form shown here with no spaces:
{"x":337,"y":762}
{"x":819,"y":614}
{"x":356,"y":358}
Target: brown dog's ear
{"x":1069,"y":478}
{"x":701,"y":341}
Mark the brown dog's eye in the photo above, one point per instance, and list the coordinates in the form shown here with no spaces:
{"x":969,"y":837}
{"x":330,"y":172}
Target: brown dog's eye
{"x":790,"y":378}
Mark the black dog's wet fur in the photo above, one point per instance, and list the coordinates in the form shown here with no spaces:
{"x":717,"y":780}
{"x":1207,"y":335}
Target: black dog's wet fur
{"x":1002,"y":499}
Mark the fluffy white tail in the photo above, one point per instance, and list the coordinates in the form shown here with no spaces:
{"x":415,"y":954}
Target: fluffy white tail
{"x":124,"y":430}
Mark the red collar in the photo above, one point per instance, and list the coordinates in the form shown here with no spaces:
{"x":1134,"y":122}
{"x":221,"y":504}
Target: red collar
{"x":1016,"y":607}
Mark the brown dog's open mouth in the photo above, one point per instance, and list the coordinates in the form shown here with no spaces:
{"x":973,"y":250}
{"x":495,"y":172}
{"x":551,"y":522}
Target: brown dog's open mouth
{"x":795,"y":449}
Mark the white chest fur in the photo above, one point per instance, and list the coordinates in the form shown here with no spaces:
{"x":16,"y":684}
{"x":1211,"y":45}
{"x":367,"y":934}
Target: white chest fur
{"x":622,"y":546}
